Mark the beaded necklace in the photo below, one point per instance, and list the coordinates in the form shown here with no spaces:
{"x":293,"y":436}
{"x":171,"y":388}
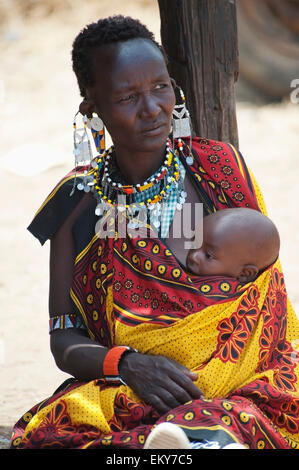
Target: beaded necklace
{"x":153,"y":196}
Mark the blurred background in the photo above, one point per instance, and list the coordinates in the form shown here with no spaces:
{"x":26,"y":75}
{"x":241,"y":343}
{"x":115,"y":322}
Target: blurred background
{"x":38,"y":100}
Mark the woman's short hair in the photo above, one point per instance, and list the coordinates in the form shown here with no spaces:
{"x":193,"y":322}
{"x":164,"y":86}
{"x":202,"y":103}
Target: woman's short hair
{"x":106,"y":31}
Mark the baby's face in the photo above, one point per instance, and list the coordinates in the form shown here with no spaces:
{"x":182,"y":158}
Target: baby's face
{"x":220,"y":253}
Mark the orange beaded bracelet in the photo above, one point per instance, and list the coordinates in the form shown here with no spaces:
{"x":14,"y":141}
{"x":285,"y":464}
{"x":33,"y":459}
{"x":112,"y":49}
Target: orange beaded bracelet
{"x":111,"y":363}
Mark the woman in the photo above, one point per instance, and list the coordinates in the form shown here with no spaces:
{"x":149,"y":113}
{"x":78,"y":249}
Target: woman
{"x":205,"y":355}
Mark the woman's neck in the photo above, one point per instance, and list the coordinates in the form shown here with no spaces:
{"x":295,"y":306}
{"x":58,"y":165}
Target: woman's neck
{"x":138,"y":167}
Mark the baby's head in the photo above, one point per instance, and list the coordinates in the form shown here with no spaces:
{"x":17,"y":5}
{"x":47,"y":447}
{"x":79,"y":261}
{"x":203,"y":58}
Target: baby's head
{"x":237,"y":243}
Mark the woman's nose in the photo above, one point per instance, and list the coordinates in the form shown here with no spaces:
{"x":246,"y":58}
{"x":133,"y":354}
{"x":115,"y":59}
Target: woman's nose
{"x":149,"y":106}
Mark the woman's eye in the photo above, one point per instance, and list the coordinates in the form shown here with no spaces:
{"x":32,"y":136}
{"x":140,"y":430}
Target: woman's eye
{"x":208,"y":255}
{"x":127,"y":98}
{"x":160,"y":86}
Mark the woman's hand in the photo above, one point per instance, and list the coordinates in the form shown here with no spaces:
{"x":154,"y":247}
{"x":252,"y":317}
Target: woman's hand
{"x":159,"y":381}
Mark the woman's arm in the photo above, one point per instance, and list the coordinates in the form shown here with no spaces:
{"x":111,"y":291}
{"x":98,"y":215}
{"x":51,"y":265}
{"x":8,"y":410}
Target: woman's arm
{"x":74,"y":352}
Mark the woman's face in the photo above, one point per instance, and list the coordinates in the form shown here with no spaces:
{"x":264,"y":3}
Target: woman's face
{"x":133,"y":94}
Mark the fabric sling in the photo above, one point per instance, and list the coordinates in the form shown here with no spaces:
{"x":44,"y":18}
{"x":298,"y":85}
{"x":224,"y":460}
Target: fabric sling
{"x":240,"y":340}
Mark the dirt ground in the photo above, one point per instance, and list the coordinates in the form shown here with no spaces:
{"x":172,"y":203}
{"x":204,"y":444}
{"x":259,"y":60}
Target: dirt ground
{"x":38,"y":99}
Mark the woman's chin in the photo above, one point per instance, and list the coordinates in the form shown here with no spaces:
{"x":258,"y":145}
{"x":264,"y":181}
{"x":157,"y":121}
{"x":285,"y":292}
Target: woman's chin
{"x":154,"y":141}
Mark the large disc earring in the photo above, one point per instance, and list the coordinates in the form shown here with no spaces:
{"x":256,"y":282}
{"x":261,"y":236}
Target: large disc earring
{"x":96,"y":126}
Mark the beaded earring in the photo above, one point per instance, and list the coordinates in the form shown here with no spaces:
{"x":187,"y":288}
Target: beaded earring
{"x":181,"y":125}
{"x":96,"y":126}
{"x":181,"y":122}
{"x":82,"y":149}
{"x":82,"y":153}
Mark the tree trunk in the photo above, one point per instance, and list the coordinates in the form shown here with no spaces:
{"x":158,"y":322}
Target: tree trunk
{"x":200,"y":39}
{"x":268,"y":44}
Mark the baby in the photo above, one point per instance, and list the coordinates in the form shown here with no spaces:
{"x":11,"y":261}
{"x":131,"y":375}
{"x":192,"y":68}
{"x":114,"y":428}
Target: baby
{"x":238,"y":243}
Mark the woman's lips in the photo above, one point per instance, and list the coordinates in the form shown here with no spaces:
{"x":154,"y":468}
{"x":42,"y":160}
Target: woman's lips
{"x":155,"y":130}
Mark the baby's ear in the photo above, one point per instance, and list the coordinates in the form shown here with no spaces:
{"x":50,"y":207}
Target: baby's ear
{"x":248,"y":273}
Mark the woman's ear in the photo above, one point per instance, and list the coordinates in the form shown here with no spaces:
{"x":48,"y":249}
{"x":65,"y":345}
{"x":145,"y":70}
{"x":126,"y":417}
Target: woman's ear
{"x":86,"y":108}
{"x":173,"y":83}
{"x":248,"y":273}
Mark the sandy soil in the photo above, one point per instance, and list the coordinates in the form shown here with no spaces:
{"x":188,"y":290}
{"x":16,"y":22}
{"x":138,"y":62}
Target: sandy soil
{"x":38,"y":97}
